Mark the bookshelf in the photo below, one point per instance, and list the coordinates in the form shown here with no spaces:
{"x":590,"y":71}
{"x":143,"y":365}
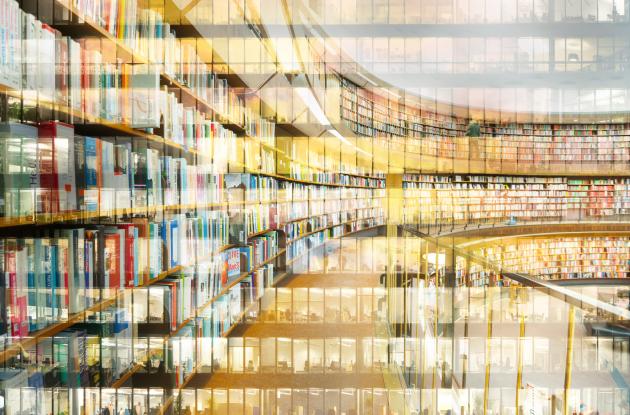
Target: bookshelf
{"x":476,"y":199}
{"x":560,"y":257}
{"x":438,"y":143}
{"x":161,"y":202}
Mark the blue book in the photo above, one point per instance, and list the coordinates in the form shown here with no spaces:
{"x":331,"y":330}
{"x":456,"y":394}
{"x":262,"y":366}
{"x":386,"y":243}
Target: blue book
{"x":87,"y":257}
{"x":164,"y":244}
{"x":246,"y":257}
{"x":174,"y":243}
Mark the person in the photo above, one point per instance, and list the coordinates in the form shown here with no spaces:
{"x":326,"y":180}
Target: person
{"x":473,"y":130}
{"x":250,"y":366}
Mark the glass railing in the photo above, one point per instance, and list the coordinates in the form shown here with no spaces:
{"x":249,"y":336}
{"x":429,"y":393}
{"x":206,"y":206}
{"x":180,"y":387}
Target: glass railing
{"x":514,"y":344}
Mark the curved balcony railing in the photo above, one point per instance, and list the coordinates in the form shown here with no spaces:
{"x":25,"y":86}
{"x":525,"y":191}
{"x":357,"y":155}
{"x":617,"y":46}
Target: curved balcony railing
{"x":528,"y":346}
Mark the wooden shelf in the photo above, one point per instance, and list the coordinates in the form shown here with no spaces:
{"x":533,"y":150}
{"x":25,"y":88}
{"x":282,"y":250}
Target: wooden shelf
{"x":36,"y":337}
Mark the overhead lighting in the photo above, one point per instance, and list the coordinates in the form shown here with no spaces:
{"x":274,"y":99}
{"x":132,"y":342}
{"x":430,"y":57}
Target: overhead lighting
{"x":367,"y":79}
{"x":312,"y":104}
{"x":345,"y":141}
{"x":339,"y":136}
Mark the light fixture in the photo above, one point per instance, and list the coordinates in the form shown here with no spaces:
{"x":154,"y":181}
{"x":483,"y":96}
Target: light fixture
{"x":367,"y":79}
{"x":312,"y":104}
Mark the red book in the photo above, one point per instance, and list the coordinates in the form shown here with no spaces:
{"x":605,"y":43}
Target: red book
{"x":224,"y":272}
{"x":129,"y":253}
{"x":11,"y":276}
{"x":15,"y":273}
{"x":55,"y":150}
{"x":22,"y":322}
{"x":85,"y":75}
{"x":112,"y":260}
{"x":273,"y":217}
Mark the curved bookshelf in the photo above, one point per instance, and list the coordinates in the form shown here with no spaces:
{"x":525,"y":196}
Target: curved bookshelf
{"x":560,"y":257}
{"x":458,"y":200}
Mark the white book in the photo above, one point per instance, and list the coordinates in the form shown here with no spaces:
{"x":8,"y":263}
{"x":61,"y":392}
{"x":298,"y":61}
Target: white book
{"x":146,"y":102}
{"x":29,"y":55}
{"x":74,"y":57}
{"x":46,"y":62}
{"x":14,"y":64}
{"x":122,"y":175}
{"x":65,"y":167}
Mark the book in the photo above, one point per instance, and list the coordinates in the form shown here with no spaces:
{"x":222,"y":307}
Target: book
{"x":89,"y":172}
{"x":232,"y":264}
{"x":236,"y":188}
{"x":55,"y":152}
{"x":19,"y":166}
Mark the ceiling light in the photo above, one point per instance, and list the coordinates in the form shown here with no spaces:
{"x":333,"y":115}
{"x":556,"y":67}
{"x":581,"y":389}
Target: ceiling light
{"x":366,"y":78}
{"x":312,"y":104}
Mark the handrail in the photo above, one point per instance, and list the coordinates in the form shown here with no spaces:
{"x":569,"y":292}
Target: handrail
{"x":555,"y":290}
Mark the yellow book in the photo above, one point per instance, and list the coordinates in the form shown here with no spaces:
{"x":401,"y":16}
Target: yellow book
{"x":120,"y":29}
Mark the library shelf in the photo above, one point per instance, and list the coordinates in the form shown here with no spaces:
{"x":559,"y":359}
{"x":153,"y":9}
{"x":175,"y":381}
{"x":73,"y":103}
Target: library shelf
{"x":289,"y":178}
{"x":101,"y":127}
{"x":191,"y":375}
{"x":556,"y":257}
{"x":96,"y":126}
{"x":36,"y":337}
{"x":89,"y":27}
{"x":254,"y":234}
{"x":320,"y":215}
{"x":238,"y":279}
{"x":237,"y":128}
{"x":44,"y":219}
{"x":301,"y":254}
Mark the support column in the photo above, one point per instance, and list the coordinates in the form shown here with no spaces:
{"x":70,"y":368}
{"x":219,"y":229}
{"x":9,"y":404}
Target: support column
{"x":449,"y":265}
{"x":569,"y":360}
{"x":394,"y":214}
{"x":519,"y":364}
{"x":394,"y":381}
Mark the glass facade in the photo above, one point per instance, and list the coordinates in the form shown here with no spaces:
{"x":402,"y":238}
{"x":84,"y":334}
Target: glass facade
{"x":314,"y":207}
